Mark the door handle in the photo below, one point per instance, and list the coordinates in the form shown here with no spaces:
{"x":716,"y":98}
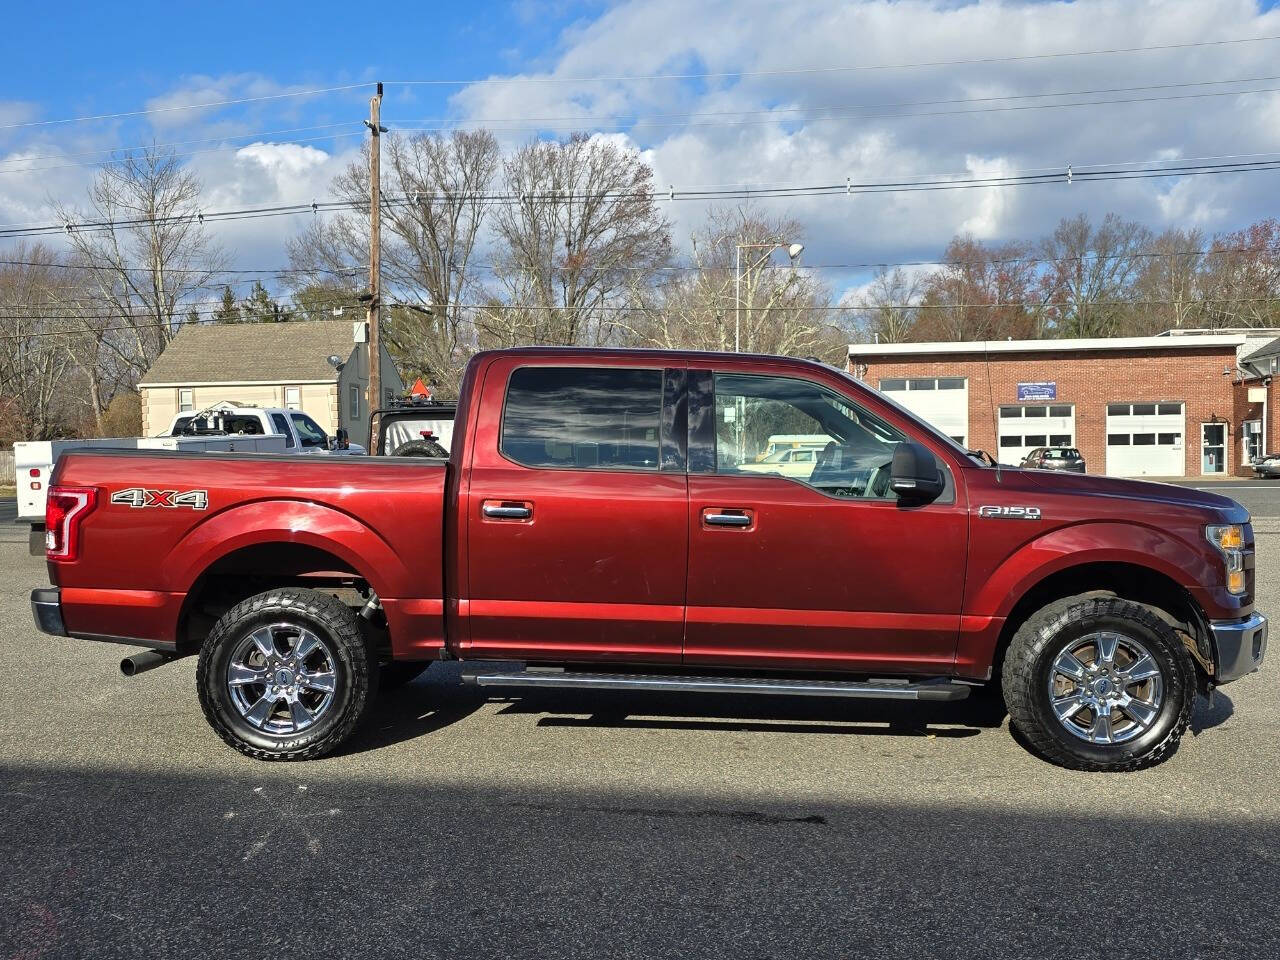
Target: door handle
{"x":507,"y":511}
{"x":727,"y":519}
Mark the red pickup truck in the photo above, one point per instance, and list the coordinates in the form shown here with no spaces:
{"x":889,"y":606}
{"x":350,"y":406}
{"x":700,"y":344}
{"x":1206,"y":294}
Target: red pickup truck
{"x":596,"y":526}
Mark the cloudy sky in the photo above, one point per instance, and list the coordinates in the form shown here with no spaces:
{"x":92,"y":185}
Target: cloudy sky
{"x":734,"y":94}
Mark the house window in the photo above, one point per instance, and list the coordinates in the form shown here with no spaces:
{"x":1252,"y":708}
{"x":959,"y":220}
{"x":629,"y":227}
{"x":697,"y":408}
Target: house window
{"x":186,"y":400}
{"x":355,"y":401}
{"x":293,"y":398}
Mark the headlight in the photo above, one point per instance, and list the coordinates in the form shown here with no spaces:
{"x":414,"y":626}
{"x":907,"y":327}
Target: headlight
{"x":1229,"y":539}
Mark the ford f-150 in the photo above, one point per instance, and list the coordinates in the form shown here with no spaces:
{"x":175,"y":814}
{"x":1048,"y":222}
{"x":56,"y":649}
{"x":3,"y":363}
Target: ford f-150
{"x":606,"y":520}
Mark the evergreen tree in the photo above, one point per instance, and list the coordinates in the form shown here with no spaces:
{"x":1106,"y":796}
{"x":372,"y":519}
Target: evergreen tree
{"x":229,"y":311}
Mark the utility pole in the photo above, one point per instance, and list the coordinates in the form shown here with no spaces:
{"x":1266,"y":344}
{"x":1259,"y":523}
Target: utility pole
{"x":374,"y":123}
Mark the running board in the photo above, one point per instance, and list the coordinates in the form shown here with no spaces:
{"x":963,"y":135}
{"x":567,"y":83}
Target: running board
{"x":939,"y":689}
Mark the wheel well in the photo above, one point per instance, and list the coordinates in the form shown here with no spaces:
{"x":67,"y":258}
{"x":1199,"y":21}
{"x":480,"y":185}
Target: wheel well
{"x":251,"y":570}
{"x":1169,"y":599}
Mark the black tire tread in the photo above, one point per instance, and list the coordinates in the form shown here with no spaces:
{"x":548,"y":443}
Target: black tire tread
{"x":1019,"y":680}
{"x":339,"y":619}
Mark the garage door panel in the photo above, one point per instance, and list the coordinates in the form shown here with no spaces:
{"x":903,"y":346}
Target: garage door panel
{"x":1146,"y":440}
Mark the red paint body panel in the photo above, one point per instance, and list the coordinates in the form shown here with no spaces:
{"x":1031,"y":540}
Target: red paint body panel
{"x":620,"y":566}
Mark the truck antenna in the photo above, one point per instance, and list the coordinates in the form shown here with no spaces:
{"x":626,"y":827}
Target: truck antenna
{"x":991,"y":402}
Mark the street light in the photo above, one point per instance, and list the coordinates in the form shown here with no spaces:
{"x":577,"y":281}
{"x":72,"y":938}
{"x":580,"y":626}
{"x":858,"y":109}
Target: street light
{"x":793,"y":251}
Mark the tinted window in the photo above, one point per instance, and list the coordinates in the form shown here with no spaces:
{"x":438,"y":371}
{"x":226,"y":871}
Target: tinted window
{"x":309,"y":431}
{"x":1118,"y":410}
{"x":887,"y":385}
{"x":1059,"y":411}
{"x":1170,"y":408}
{"x":951,"y":383}
{"x":583,"y":418}
{"x":1144,"y":439}
{"x":1010,"y":411}
{"x":1034,"y":412}
{"x":1144,"y":409}
{"x":1060,"y":440}
{"x":1008,"y":441}
{"x":282,"y":427}
{"x":1035,"y":440}
{"x":1168,"y":439}
{"x":923,"y":384}
{"x":180,"y":425}
{"x":853,"y":462}
{"x":242,"y":425}
{"x":1118,"y":439}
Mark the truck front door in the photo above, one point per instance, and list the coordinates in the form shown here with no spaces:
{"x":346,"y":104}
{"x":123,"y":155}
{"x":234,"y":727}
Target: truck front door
{"x":576,"y":517}
{"x":822,"y":569}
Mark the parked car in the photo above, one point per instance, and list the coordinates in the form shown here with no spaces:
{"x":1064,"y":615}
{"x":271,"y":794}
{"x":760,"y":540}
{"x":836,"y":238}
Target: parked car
{"x":1054,"y":458}
{"x":585,"y":532}
{"x":301,"y":433}
{"x":1268,"y":467}
{"x":788,"y":462}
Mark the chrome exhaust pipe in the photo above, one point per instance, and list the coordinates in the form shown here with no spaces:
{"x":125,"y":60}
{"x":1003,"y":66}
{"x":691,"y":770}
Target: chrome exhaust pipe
{"x":142,"y":662}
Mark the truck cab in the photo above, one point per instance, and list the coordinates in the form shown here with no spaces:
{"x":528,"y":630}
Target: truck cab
{"x":300,"y":432}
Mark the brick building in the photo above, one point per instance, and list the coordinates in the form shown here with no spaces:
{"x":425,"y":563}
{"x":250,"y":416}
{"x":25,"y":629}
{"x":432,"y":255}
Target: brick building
{"x":1180,"y":404}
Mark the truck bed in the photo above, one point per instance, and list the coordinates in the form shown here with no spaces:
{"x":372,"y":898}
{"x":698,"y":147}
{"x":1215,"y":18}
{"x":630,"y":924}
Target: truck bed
{"x":145,"y":546}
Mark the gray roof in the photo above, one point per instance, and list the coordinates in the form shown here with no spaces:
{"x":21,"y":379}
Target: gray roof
{"x":1270,"y":350}
{"x":253,"y":352}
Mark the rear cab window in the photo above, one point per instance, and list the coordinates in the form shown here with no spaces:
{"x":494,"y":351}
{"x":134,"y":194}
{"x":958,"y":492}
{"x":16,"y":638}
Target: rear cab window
{"x":583,"y":418}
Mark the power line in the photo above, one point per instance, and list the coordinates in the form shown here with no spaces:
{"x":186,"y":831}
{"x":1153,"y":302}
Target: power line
{"x":639,"y":120}
{"x":1067,"y":175}
{"x":183,"y":106}
{"x":834,"y":69}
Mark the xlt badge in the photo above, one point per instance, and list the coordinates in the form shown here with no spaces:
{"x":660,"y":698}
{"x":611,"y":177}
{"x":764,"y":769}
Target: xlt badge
{"x":1010,"y":513}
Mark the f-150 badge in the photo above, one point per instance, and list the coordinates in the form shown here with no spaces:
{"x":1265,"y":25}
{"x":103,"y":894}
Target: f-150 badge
{"x":1010,"y":513}
{"x":142,"y":497}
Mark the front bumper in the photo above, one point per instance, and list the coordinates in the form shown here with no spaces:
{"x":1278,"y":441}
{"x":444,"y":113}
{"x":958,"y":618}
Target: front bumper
{"x":46,"y":608}
{"x":1238,"y":647}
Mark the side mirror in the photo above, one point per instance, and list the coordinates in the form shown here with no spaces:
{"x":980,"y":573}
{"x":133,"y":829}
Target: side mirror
{"x":915,"y":474}
{"x":340,"y":441}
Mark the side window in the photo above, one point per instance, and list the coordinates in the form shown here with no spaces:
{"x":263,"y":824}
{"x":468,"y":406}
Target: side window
{"x":852,"y":450}
{"x":309,"y":431}
{"x":583,"y":418}
{"x":282,"y":427}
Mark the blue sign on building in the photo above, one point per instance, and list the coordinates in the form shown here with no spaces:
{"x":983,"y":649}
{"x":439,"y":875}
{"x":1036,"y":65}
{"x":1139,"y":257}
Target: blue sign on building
{"x":1037,"y":391}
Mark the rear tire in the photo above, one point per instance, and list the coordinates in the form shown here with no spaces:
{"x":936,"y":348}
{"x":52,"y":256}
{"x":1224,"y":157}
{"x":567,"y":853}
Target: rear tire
{"x":286,"y":675}
{"x":1099,"y":683}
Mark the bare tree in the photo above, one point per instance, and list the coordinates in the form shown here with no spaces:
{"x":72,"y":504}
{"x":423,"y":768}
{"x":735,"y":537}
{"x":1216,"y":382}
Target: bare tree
{"x":34,"y":366}
{"x":1168,"y":290}
{"x":889,"y":310}
{"x":434,"y":211}
{"x":1241,"y":277}
{"x":1090,"y":274}
{"x":580,"y":235}
{"x":780,"y":309}
{"x":142,"y":251}
{"x":980,"y":293}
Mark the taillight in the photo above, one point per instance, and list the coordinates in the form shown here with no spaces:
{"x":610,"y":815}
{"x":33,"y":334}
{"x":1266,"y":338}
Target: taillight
{"x":64,"y":512}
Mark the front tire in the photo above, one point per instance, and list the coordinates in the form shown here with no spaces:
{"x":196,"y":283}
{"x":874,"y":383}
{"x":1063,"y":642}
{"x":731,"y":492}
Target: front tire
{"x":286,"y":675}
{"x":1099,"y":683}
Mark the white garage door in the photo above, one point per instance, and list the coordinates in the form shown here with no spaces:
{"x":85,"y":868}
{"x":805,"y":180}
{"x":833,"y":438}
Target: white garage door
{"x":1146,"y":440}
{"x":942,"y":401}
{"x":1023,"y":428}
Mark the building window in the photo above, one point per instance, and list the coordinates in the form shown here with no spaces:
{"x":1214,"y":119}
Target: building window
{"x":1169,"y":409}
{"x":1010,"y":411}
{"x":293,"y":398}
{"x":1117,"y":410}
{"x":887,"y":386}
{"x":1010,"y":441}
{"x":1034,"y":440}
{"x":1144,"y":439}
{"x":951,"y":383}
{"x":1144,"y":409}
{"x":922,"y":384}
{"x":1167,"y":439}
{"x":1118,"y":439}
{"x":186,"y":400}
{"x":1062,"y":411}
{"x":355,"y":402}
{"x":1034,"y":411}
{"x":1059,"y":439}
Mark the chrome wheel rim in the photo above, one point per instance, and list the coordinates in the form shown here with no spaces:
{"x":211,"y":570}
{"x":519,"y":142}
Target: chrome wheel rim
{"x":1106,"y":688}
{"x":281,"y":678}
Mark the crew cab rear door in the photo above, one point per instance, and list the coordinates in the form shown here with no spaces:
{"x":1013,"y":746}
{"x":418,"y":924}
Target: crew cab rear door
{"x":822,"y":570}
{"x":576,"y":507}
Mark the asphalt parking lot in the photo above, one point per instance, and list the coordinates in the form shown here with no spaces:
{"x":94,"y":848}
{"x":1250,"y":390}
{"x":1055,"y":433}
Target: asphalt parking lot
{"x":579,"y":825}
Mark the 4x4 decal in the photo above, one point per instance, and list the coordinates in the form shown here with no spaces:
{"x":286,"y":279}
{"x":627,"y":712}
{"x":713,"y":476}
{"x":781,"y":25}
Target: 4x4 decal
{"x":142,"y":497}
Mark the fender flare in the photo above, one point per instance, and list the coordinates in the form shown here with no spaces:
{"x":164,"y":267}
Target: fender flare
{"x":1102,"y":541}
{"x":300,"y":522}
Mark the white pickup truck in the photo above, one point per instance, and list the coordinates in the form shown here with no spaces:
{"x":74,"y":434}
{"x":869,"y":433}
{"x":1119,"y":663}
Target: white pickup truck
{"x":223,"y":428}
